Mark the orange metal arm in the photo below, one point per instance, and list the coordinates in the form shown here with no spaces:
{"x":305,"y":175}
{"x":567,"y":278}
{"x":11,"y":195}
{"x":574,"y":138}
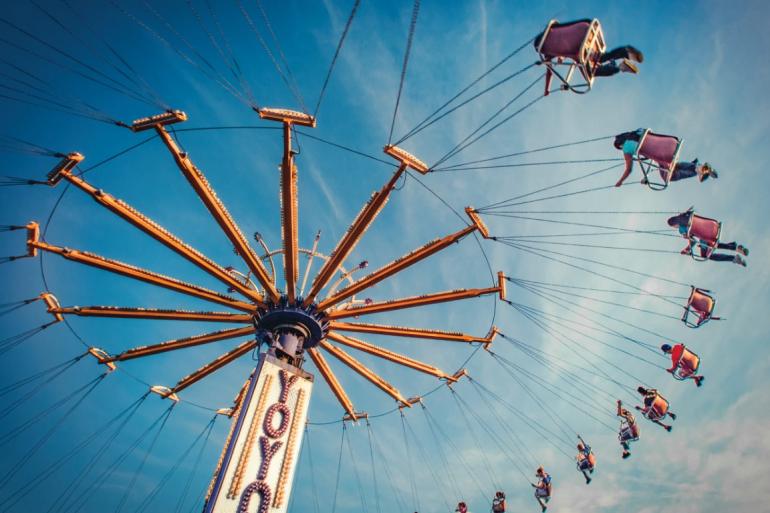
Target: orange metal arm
{"x":388,"y":355}
{"x":150,"y":313}
{"x":351,"y":238}
{"x":219,"y":212}
{"x":138,"y":273}
{"x":365,"y":372}
{"x":162,"y":235}
{"x":411,"y":302}
{"x":217,"y":364}
{"x":52,"y":305}
{"x":181,"y":343}
{"x":331,"y":380}
{"x":289,"y":215}
{"x":396,"y":266}
{"x":33,"y":235}
{"x":398,"y":331}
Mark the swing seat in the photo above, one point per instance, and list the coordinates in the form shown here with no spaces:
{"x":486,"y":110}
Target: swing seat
{"x":658,"y":152}
{"x":572,"y":46}
{"x":700,"y":307}
{"x":625,"y":428}
{"x":687,"y":365}
{"x":706,"y":233}
{"x":658,"y":410}
{"x":586,"y":462}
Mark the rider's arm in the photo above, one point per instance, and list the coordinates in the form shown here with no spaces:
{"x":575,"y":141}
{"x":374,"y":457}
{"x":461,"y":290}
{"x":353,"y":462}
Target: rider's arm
{"x":629,"y":158}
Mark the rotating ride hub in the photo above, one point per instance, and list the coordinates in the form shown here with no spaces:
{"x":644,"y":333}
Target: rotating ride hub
{"x":290,"y":328}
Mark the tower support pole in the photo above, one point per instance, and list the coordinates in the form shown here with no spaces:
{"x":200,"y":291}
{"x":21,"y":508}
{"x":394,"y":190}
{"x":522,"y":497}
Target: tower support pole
{"x":256,"y":470}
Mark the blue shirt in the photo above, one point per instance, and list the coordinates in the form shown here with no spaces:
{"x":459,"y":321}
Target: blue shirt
{"x":630,"y":146}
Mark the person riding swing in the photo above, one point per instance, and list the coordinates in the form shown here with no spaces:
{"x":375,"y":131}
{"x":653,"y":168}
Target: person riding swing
{"x":629,"y":429}
{"x":586,"y":460}
{"x":685,"y":363}
{"x":655,"y":407}
{"x":579,"y":46}
{"x":498,"y":503}
{"x":543,"y":488}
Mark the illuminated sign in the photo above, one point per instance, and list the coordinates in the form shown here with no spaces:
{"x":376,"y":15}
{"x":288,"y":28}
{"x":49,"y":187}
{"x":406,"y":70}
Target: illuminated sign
{"x":256,"y":469}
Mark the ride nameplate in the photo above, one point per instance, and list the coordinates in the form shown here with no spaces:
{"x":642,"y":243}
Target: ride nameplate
{"x":257,"y":467}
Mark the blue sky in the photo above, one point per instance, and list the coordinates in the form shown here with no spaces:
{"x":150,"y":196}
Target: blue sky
{"x":703,"y":79}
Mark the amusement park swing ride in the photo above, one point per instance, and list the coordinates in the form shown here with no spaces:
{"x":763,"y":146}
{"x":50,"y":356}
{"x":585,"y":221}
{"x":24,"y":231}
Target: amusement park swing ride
{"x":270,"y":411}
{"x":299,"y":319}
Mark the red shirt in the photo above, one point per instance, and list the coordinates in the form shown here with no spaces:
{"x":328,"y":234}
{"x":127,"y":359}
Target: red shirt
{"x":676,"y":354}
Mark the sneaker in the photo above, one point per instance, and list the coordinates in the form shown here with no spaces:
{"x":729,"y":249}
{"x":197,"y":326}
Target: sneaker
{"x":588,"y":480}
{"x":669,"y":428}
{"x":738,"y":260}
{"x":672,"y":415}
{"x":635,"y":54}
{"x":628,"y":66}
{"x":743,"y":250}
{"x":626,"y":455}
{"x":699,"y":381}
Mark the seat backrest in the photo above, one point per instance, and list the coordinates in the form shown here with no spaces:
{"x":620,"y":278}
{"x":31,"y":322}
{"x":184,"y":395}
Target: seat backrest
{"x":660,"y":148}
{"x":565,"y":40}
{"x":659,"y":406}
{"x":705,"y":229}
{"x":701,"y":301}
{"x":689,"y":359}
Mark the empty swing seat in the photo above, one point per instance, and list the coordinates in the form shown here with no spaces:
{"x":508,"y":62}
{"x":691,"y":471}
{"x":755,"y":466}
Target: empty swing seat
{"x":706,"y":233}
{"x":701,"y":305}
{"x":577,"y":45}
{"x":658,"y":152}
{"x":687,"y":365}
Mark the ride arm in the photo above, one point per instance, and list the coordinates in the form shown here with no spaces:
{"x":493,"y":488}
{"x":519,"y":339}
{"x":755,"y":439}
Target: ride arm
{"x":332,"y":381}
{"x":182,"y":343}
{"x":289,"y":215}
{"x":390,"y":355}
{"x":405,"y":261}
{"x":153,"y":229}
{"x":353,"y":235}
{"x":215,"y":365}
{"x":217,"y":209}
{"x":137,"y":273}
{"x":398,"y":331}
{"x":150,"y":313}
{"x":365,"y":372}
{"x":415,"y":301}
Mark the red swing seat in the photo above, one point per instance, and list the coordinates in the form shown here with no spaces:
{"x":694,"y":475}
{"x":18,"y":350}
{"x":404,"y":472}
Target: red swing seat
{"x":577,"y":46}
{"x":705,"y":232}
{"x":700,"y":305}
{"x":658,"y":152}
